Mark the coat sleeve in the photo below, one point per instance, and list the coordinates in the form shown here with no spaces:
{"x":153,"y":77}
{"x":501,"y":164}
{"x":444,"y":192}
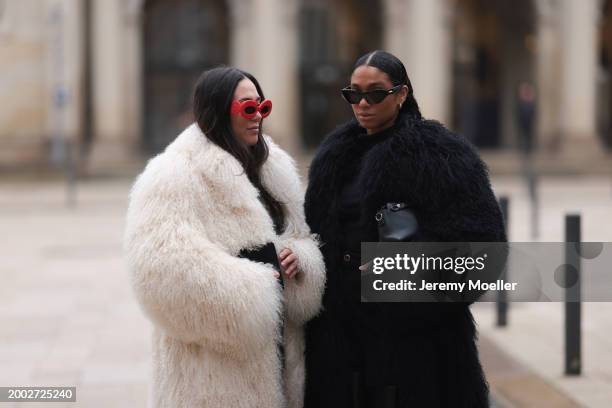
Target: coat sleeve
{"x":461,"y":205}
{"x":453,"y":191}
{"x":303,"y":293}
{"x":189,"y":286}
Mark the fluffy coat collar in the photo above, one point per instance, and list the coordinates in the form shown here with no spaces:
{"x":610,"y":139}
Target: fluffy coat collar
{"x":230,"y":192}
{"x":419,"y":162}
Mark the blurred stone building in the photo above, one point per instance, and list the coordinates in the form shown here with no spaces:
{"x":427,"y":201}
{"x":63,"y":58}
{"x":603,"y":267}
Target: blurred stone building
{"x":111,"y":80}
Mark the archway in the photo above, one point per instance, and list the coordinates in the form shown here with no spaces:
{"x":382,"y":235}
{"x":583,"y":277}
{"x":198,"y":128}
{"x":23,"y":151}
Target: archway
{"x":493,"y":53}
{"x":181,"y":39}
{"x":333,"y":34}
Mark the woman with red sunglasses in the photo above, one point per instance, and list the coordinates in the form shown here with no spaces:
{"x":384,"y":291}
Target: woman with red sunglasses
{"x":393,"y":355}
{"x":221,"y":258}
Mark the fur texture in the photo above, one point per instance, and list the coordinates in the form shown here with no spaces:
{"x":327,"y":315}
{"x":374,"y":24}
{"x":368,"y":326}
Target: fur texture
{"x":216,"y":316}
{"x":427,"y":351}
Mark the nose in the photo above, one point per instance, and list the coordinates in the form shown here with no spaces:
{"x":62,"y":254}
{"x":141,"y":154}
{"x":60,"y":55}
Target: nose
{"x":363,"y":103}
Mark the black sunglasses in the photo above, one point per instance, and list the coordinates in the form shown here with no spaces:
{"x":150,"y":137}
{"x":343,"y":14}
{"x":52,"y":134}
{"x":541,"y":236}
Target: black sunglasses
{"x":372,"y":97}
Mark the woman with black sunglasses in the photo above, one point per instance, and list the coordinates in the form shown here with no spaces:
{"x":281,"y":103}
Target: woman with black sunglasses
{"x":221,"y":258}
{"x":393,"y":355}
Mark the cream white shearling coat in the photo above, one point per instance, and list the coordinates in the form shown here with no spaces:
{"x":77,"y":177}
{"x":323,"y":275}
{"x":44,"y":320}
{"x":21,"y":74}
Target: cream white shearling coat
{"x":216,"y":317}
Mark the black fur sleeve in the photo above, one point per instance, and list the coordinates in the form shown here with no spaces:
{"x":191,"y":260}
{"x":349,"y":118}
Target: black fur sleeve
{"x":455,"y":199}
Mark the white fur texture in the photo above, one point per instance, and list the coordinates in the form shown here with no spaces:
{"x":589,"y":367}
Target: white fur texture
{"x":217,"y":316}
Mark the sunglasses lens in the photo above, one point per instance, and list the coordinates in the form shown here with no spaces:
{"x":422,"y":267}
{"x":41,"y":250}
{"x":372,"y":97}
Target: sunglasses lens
{"x":375,"y":97}
{"x":250,"y":110}
{"x":351,"y":96}
{"x":265,"y":108}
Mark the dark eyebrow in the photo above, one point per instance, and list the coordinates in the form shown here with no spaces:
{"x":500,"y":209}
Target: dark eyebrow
{"x":258,"y":99}
{"x":376,"y":85}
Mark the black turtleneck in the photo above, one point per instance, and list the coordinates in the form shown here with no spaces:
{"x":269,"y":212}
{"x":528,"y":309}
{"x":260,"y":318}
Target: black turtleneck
{"x":350,"y":197}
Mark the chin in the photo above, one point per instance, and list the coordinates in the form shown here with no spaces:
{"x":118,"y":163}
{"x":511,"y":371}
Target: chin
{"x":368,"y":124}
{"x":251,"y":141}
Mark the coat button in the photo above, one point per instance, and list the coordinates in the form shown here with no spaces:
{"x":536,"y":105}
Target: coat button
{"x":347,"y":257}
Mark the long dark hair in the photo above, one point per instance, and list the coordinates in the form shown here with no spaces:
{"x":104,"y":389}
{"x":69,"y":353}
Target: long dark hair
{"x":393,"y":67}
{"x":212,"y":100}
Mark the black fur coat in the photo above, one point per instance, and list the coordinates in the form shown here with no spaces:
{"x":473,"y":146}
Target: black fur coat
{"x":413,"y":354}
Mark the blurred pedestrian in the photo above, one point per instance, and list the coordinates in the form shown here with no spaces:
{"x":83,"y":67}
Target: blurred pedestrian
{"x":393,"y":355}
{"x":211,"y":222}
{"x":526,"y":105}
{"x":526,"y":115}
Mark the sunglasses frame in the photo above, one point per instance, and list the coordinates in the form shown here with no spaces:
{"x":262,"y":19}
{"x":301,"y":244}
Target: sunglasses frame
{"x":241,"y":107}
{"x":367,"y":95}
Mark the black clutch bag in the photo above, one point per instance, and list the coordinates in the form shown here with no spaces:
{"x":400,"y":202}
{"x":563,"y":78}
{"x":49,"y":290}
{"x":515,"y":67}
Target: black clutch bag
{"x":396,"y":223}
{"x":264,"y":254}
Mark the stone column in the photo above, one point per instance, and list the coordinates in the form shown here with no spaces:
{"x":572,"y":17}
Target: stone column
{"x":132,"y":15}
{"x":275,"y":65}
{"x":63,"y":70}
{"x":242,"y":51}
{"x":578,"y":75}
{"x":110,"y":102}
{"x":395,"y":18}
{"x":428,"y":62}
{"x":548,"y":74}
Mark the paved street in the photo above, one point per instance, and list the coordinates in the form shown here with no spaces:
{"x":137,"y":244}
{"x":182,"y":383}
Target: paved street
{"x":534,"y":338}
{"x":67,"y":315}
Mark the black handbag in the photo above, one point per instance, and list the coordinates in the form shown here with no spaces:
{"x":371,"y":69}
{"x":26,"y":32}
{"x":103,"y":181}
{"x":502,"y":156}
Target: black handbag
{"x":396,"y":223}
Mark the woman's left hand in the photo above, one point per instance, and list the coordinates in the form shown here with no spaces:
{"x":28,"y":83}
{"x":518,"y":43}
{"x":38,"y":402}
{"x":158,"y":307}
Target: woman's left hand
{"x":289,"y":263}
